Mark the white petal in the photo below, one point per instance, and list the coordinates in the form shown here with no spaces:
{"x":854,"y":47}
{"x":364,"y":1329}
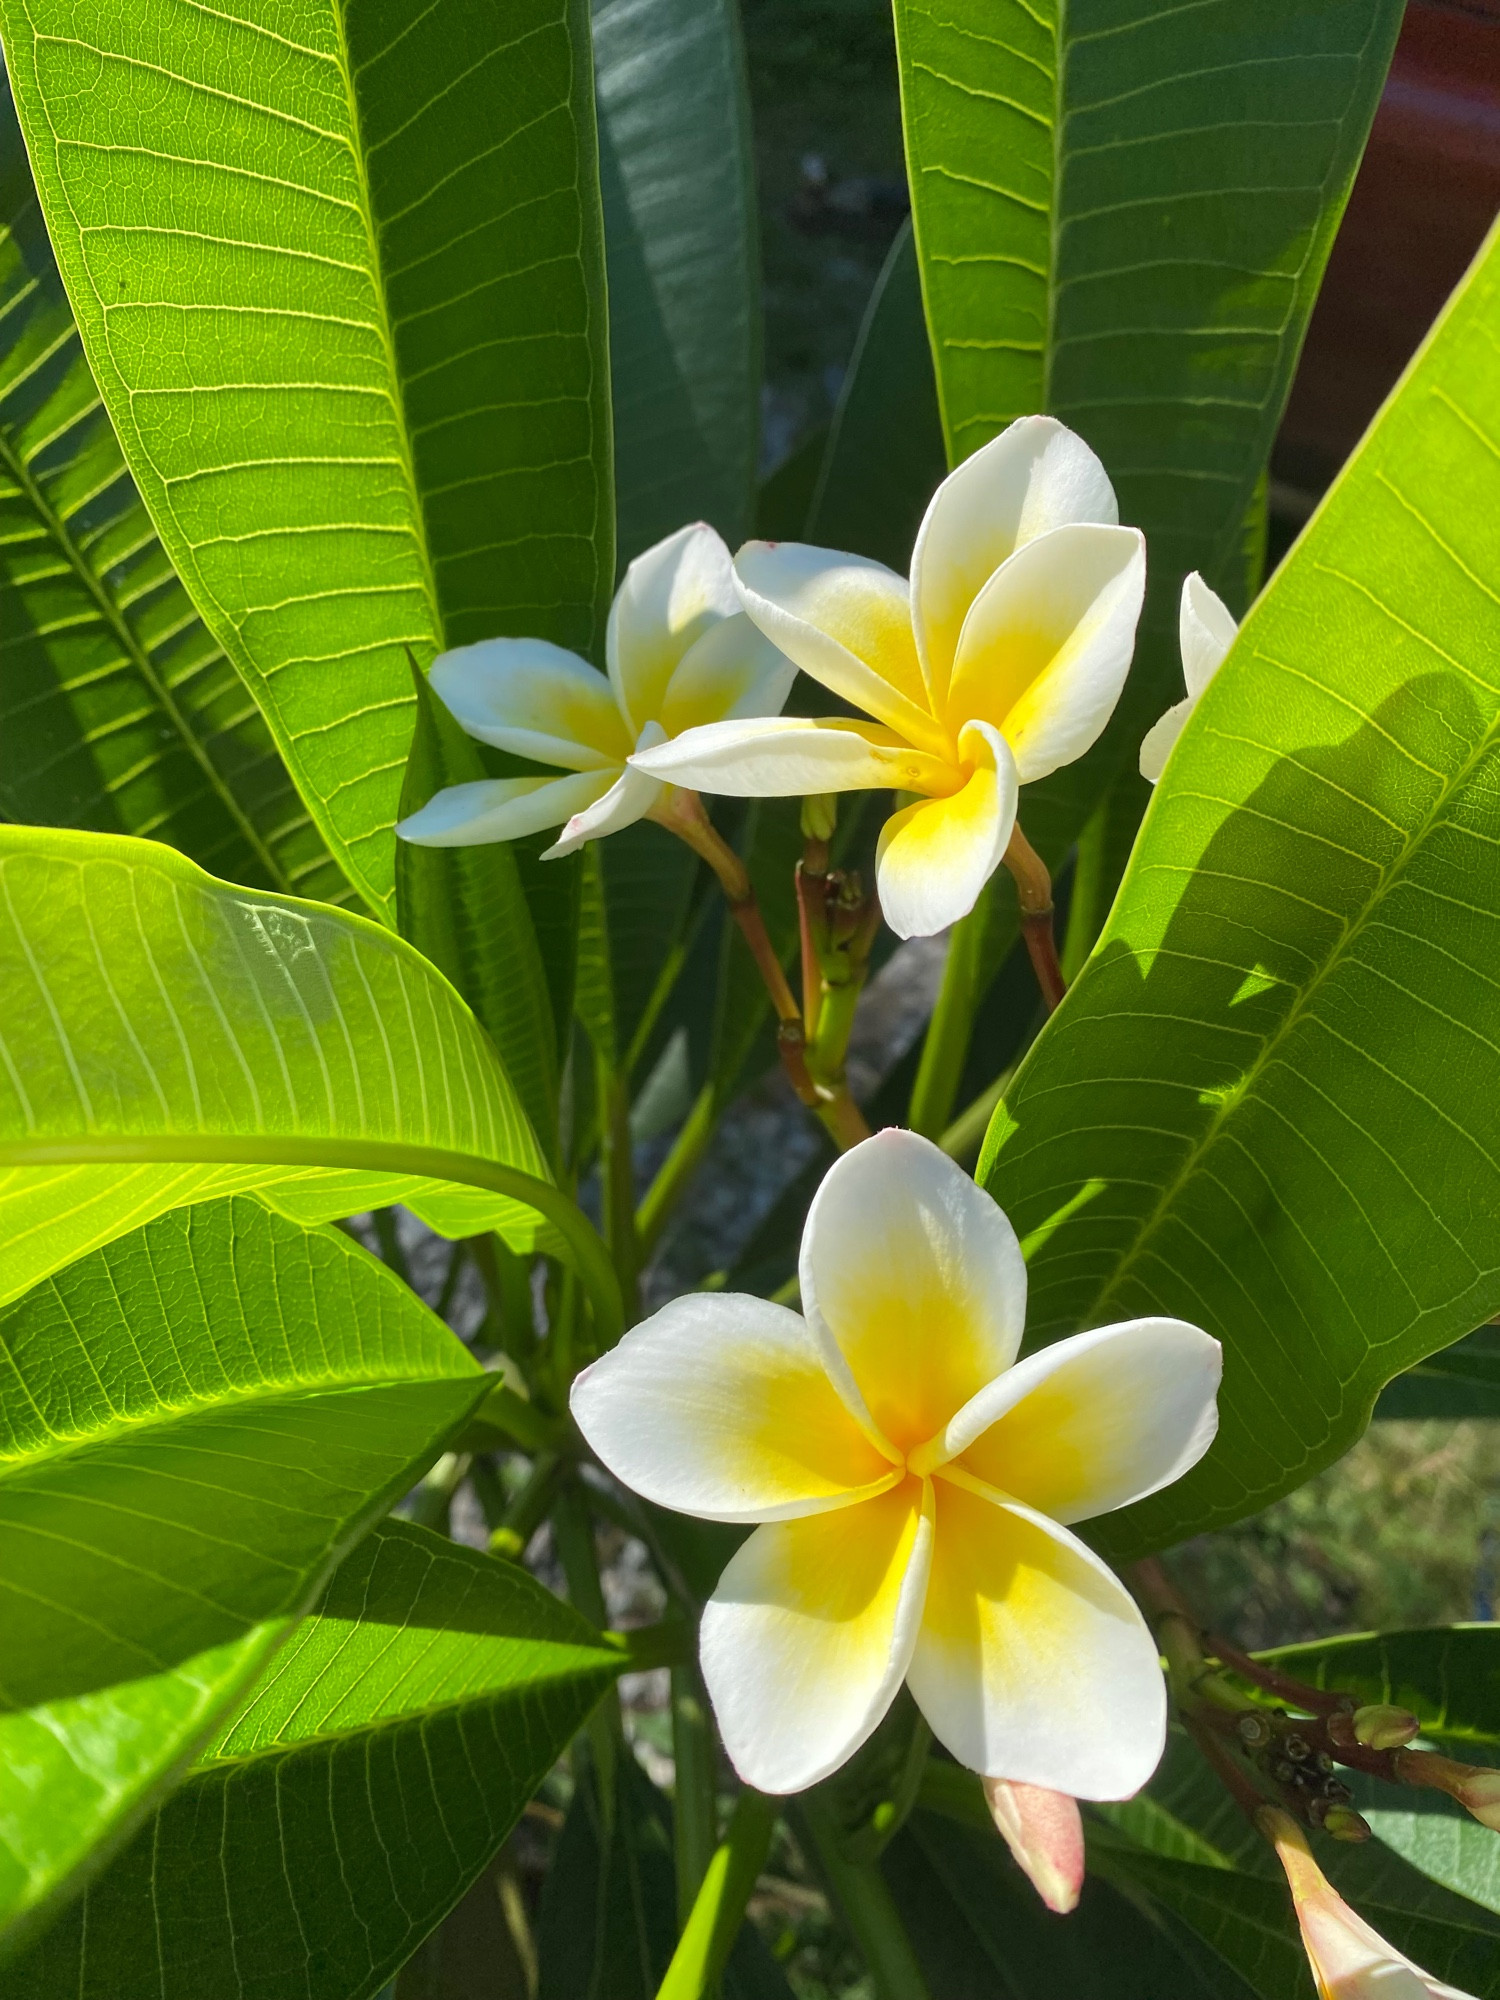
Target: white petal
{"x":1205,"y":632}
{"x":719,"y":1405}
{"x":1046,"y":647}
{"x":847,"y":622}
{"x":1033,"y":1662}
{"x":628,"y":799}
{"x":1159,"y":739}
{"x":913,"y":1283}
{"x":1036,"y":475}
{"x":810,"y":1632}
{"x":731,"y":672}
{"x":534,"y":699}
{"x":1093,"y":1422}
{"x":790,"y":756}
{"x":934,"y":857}
{"x":668,"y":598}
{"x":501,"y":809}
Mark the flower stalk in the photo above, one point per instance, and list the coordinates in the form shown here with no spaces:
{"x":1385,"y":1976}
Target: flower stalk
{"x":719,"y":1906}
{"x":1034,"y":894}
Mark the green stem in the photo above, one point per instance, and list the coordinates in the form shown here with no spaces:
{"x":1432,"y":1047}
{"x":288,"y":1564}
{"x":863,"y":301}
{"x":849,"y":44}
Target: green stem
{"x":678,"y":1168}
{"x":375,"y":1156}
{"x":719,"y":1907}
{"x":967,"y":972}
{"x":523,"y":1422}
{"x":507,"y":1283}
{"x":695,"y":1806}
{"x":573,"y":1533}
{"x":617,"y":1184}
{"x":435,"y":1494}
{"x":528,"y":1510}
{"x":859,"y":1890}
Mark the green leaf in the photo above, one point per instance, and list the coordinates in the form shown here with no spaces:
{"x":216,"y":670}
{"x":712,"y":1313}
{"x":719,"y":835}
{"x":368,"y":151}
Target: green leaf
{"x":1447,"y":1675}
{"x":117,"y":709}
{"x":608,"y":1921}
{"x":195,"y":1423}
{"x":333,"y":1823}
{"x":1458,"y":1381}
{"x":884,"y":456}
{"x":465,"y":910}
{"x":1123,"y":215}
{"x":342,"y":290}
{"x":1271,"y":1103}
{"x":684,"y":292}
{"x":218,"y":1040}
{"x":981,"y":1931}
{"x":1185,"y":1843}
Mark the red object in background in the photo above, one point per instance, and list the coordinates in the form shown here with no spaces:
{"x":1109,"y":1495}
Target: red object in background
{"x":1426,"y":193}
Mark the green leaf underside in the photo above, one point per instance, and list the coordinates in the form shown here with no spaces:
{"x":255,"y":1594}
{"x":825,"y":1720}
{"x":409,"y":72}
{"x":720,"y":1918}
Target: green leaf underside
{"x":1185,"y":1844}
{"x":220,"y":1041}
{"x":376,"y":1768}
{"x":342,"y":290}
{"x":117,"y":709}
{"x":680,"y":231}
{"x":1298,"y":978}
{"x":195,"y":1422}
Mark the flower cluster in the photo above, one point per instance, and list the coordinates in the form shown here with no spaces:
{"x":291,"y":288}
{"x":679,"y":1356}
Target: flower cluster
{"x":1000,"y":660}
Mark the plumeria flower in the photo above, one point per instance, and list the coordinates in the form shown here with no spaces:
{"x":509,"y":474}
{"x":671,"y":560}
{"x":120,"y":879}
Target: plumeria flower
{"x":1001,"y":660}
{"x":1044,"y":1832}
{"x":1350,"y":1959}
{"x":912,"y":1482}
{"x":680,"y":652}
{"x":1205,"y":633}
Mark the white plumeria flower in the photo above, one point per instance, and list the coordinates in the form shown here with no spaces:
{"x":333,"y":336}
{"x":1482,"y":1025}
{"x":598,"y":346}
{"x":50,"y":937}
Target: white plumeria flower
{"x":911,"y":1479}
{"x":680,"y":652}
{"x":1205,"y":633}
{"x":1350,"y":1959}
{"x":1002,"y":660}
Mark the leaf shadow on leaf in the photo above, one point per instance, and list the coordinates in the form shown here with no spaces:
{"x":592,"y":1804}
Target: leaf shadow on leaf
{"x":1271,"y":1109}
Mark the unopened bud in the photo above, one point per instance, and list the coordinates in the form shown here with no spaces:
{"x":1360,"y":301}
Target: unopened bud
{"x":1475,"y":1786}
{"x":1044,"y":1832}
{"x":820,"y":815}
{"x":1344,"y":1823}
{"x":1381,"y":1727}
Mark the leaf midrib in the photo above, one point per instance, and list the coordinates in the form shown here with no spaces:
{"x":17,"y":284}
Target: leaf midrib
{"x":141,"y":660}
{"x":170,"y":1416}
{"x":1389,"y":877}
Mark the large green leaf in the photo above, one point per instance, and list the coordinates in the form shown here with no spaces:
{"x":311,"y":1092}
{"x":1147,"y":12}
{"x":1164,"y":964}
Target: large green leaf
{"x":1458,"y":1381}
{"x":374,"y":1771}
{"x":1271,"y":1103}
{"x":684,"y":299}
{"x":981,"y":1932}
{"x":195,"y":1423}
{"x":215,"y":1040}
{"x":1185,"y":1844}
{"x":341,"y":285}
{"x":1123,"y":214}
{"x":117,"y":709}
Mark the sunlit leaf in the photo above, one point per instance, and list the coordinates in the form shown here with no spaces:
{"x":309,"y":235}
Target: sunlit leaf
{"x":195,"y":1423}
{"x":1270,"y":1102}
{"x":341,"y":286}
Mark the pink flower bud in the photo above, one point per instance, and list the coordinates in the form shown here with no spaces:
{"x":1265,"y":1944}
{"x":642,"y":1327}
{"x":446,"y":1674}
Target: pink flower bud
{"x":1350,"y":1959}
{"x":1044,"y":1832}
{"x":1476,"y":1787}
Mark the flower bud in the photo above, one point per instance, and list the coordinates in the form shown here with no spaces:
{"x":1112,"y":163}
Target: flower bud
{"x":1476,"y":1788}
{"x":1044,"y":1832}
{"x":1379,"y":1726}
{"x":820,"y":815}
{"x":1350,"y":1960}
